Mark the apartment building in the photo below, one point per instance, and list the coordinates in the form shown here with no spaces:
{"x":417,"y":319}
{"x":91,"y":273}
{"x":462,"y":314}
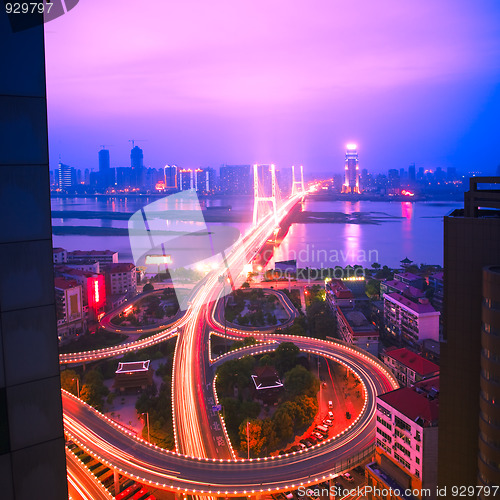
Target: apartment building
{"x":101,"y":256}
{"x":354,"y":328}
{"x":406,"y":443}
{"x":410,"y":322}
{"x":121,"y":279}
{"x":69,"y":307}
{"x":408,"y":367}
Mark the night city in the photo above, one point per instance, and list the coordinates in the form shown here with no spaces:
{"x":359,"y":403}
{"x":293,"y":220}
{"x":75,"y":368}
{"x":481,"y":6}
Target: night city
{"x":243,"y":246}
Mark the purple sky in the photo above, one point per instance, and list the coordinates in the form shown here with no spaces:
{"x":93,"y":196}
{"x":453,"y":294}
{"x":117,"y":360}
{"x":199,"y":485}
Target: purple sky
{"x":283,"y":81}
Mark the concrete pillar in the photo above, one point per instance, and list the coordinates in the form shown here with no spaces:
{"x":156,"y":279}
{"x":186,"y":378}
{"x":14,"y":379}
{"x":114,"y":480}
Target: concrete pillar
{"x":116,"y":477}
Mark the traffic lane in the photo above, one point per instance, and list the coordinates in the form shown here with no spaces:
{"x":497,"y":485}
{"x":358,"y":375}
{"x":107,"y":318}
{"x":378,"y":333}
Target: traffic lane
{"x":152,"y":464}
{"x":80,"y":484}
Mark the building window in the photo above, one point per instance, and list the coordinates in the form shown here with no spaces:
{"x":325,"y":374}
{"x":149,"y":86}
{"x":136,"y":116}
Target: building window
{"x":402,"y":424}
{"x":417,"y":460}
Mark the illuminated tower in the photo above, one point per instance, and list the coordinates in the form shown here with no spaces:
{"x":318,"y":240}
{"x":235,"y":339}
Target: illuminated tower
{"x":351,"y":182}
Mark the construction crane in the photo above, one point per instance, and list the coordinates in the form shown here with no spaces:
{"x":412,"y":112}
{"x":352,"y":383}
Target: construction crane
{"x":133,"y":141}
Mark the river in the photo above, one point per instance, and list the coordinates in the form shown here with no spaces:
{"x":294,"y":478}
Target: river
{"x":399,"y":230}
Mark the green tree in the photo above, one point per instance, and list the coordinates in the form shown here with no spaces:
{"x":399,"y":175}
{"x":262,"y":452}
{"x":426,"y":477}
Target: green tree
{"x":376,"y":265}
{"x":246,"y":284}
{"x":283,"y":423}
{"x":69,"y":381}
{"x":148,"y":287}
{"x":299,"y":381}
{"x":251,"y":434}
{"x":93,"y":390}
{"x":286,"y":356}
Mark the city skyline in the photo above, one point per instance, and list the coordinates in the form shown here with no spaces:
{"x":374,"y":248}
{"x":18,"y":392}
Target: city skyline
{"x":281,"y":83}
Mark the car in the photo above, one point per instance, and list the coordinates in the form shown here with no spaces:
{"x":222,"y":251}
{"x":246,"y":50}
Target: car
{"x":308,"y":443}
{"x":288,"y":494}
{"x":319,"y":436}
{"x":281,"y":452}
{"x":330,"y":404}
{"x":295,"y":448}
{"x":348,"y":415}
{"x":302,"y":446}
{"x":348,"y":477}
{"x":324,"y":384}
{"x":330,"y":415}
{"x":328,"y":422}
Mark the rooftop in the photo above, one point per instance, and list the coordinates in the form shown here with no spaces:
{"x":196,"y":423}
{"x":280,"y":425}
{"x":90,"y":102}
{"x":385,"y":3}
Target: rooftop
{"x":428,"y":386}
{"x":414,"y":361}
{"x":120,"y":267}
{"x":132,"y":367}
{"x":339,"y":289}
{"x":71,"y":270}
{"x":408,"y":276}
{"x":58,"y":250}
{"x":64,"y":283}
{"x":358,"y":323}
{"x":418,"y":307}
{"x":437,"y":276}
{"x":92,"y":252}
{"x":413,"y":405}
{"x":408,"y":290}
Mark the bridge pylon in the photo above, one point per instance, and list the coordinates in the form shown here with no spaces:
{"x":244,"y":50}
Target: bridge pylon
{"x":297,"y":186}
{"x":258,"y":198}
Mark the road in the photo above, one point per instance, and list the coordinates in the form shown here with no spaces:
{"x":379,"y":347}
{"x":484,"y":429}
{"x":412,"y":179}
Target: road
{"x":203,"y":465}
{"x":112,"y":445}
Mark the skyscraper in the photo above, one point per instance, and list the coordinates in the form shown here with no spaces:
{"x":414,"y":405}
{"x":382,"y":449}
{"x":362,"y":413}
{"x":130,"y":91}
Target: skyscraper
{"x":170,"y":176}
{"x":32,"y":456}
{"x":67,"y":176}
{"x":351,"y":179}
{"x":411,"y":172}
{"x":106,"y":175}
{"x":471,"y":242}
{"x":136,"y":158}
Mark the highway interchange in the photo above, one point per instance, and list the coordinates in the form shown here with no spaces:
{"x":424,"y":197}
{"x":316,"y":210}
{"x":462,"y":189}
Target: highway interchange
{"x":200,"y":464}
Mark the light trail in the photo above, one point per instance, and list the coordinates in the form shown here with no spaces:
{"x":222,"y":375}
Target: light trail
{"x":194,"y":468}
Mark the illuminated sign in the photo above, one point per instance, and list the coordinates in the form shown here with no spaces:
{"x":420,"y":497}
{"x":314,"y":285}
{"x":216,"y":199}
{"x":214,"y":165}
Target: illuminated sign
{"x":96,"y":294}
{"x":405,"y":192}
{"x":158,"y":259}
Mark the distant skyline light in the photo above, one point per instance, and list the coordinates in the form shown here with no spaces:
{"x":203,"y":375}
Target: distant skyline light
{"x":285,"y":82}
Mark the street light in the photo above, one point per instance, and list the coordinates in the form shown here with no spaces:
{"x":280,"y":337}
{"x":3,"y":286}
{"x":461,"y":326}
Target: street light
{"x":77,"y":386}
{"x":147,"y":421}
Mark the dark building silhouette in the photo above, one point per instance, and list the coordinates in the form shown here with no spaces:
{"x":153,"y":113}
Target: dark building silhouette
{"x":136,"y":158}
{"x":411,"y":172}
{"x":32,"y":454}
{"x":471,"y":242}
{"x":489,"y":413}
{"x":106,"y":173}
{"x":235,"y":179}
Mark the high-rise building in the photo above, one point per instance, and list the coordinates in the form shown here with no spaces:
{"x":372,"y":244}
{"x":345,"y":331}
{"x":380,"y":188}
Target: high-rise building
{"x":104,"y":164}
{"x":204,"y":180}
{"x":185,"y":179}
{"x":471,"y":242}
{"x":170,"y":176}
{"x":67,"y":176}
{"x":284,"y":180}
{"x":106,"y":174}
{"x":32,"y":454}
{"x":136,"y":158}
{"x":235,"y":179}
{"x":489,"y":473}
{"x":351,"y":178}
{"x":411,"y":172}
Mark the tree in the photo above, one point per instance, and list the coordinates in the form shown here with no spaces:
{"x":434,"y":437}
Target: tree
{"x":246,"y":284}
{"x":148,"y":287}
{"x":372,"y":288}
{"x":93,"y":389}
{"x":376,"y":265}
{"x":299,"y":381}
{"x":283,"y":423}
{"x":286,"y":356}
{"x":252,"y":434}
{"x":69,"y":381}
